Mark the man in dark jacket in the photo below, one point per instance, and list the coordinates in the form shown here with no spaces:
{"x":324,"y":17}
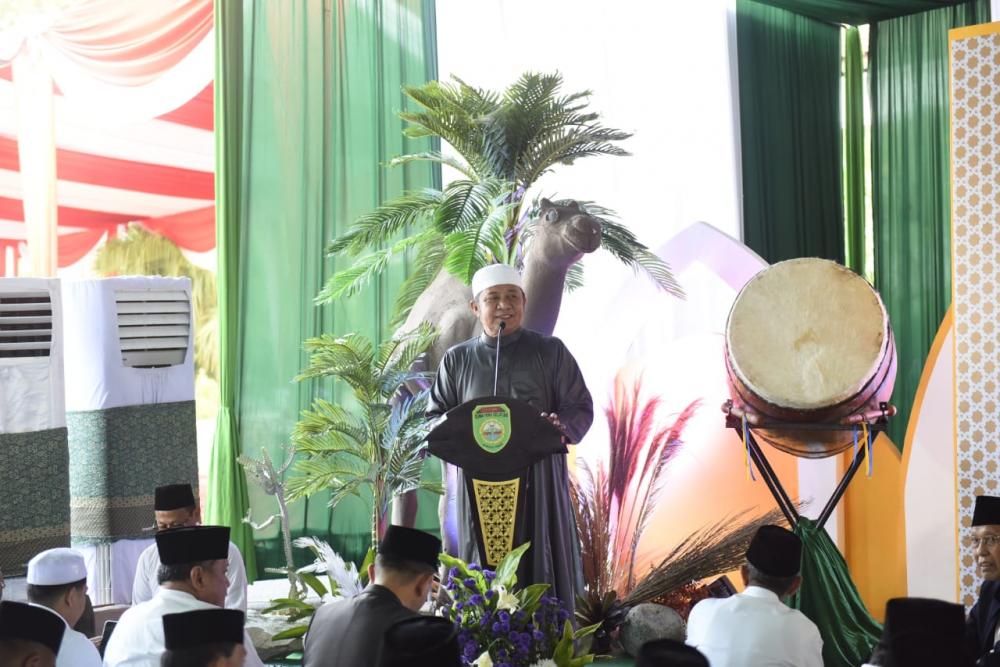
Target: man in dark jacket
{"x":350,"y":631}
{"x":982,"y":629}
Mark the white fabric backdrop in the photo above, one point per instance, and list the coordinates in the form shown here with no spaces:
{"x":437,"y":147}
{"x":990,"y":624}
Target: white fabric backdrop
{"x":99,"y":379}
{"x":31,"y":389}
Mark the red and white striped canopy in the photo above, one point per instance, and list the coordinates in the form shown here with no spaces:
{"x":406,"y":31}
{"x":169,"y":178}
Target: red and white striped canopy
{"x":133,"y":125}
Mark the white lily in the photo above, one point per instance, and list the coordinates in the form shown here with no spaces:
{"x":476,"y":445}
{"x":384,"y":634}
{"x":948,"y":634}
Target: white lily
{"x":484,"y":660}
{"x":505,"y":600}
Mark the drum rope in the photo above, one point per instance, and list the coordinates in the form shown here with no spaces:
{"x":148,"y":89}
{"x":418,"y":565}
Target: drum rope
{"x":746,"y":448}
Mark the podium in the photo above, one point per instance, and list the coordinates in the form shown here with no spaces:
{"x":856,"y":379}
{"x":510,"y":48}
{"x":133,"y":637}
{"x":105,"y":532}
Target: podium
{"x":495,"y":440}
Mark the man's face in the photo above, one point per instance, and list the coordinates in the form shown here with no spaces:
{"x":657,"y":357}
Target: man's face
{"x":210,"y":582}
{"x":986,"y":548}
{"x":184,"y":517}
{"x":76,"y":604}
{"x":501,"y":303}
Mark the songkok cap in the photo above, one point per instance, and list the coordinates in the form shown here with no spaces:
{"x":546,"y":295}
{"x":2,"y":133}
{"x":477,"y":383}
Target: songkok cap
{"x":921,"y":631}
{"x":987,"y":512}
{"x":775,"y":551}
{"x":493,"y":275}
{"x":191,"y":544}
{"x":669,"y":653}
{"x":56,"y":567}
{"x":410,"y":544}
{"x":28,"y":622}
{"x":204,"y":626}
{"x":173,"y":497}
{"x":422,"y":641}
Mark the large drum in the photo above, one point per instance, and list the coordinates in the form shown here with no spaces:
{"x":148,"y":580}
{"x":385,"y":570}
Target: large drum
{"x":808,"y":341}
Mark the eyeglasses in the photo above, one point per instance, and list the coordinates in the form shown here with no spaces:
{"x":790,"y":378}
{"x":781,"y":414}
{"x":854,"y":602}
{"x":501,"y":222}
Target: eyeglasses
{"x":991,"y":541}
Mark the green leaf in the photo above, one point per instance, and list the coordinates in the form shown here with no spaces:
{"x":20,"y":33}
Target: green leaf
{"x":291,"y":633}
{"x":563,"y":652}
{"x":412,"y":209}
{"x":429,"y":260}
{"x":314,"y":583}
{"x":369,"y":559}
{"x":530,"y":596}
{"x":588,"y":630}
{"x":574,"y":277}
{"x":435,"y":156}
{"x":287,"y":603}
{"x":507,"y":569}
{"x":356,"y":277}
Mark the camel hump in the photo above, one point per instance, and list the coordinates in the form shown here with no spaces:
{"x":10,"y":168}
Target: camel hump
{"x":445,"y":304}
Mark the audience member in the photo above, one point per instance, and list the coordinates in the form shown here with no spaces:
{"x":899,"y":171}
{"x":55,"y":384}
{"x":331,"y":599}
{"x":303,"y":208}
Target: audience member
{"x":57,"y":580}
{"x":342,"y":632}
{"x":669,"y":653}
{"x":983,"y":629}
{"x":29,"y":635}
{"x":920,"y":632}
{"x":174,"y":506}
{"x":755,"y":627}
{"x":192,"y":576}
{"x":421,"y":641}
{"x":204,"y":638}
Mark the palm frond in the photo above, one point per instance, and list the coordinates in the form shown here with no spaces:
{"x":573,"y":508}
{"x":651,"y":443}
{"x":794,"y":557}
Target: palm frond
{"x":621,"y":242}
{"x":567,"y":145}
{"x":430,"y":258}
{"x":412,"y":209}
{"x":436,"y":157}
{"x":317,"y":474}
{"x":467,"y":203}
{"x":333,"y":355}
{"x":399,"y":352}
{"x":354,"y":278}
{"x":471,"y":249}
{"x":574,"y":277}
{"x":326,"y":418}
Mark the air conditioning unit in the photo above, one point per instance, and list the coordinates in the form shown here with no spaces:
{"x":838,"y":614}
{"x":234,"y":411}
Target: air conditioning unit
{"x":34,"y":459}
{"x":130,"y":414}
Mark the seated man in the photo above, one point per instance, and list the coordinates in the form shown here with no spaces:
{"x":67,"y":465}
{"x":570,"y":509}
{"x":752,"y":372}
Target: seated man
{"x":421,"y":641}
{"x":755,"y":627}
{"x":667,"y":652}
{"x":982,"y":628}
{"x":192,"y":576}
{"x":174,"y":506}
{"x":204,"y":638}
{"x":57,"y":580}
{"x":349,"y":632}
{"x":29,"y":635}
{"x":921,"y":631}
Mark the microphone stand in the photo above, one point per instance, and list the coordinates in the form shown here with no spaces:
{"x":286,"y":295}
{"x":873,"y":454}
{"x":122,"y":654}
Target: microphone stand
{"x":496,"y":370}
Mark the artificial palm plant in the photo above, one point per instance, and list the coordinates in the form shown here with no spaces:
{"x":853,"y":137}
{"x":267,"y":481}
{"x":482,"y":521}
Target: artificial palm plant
{"x":377,"y":447}
{"x":501,"y":144}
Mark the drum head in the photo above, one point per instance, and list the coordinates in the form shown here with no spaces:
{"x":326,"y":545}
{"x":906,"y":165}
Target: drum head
{"x":806,"y":334}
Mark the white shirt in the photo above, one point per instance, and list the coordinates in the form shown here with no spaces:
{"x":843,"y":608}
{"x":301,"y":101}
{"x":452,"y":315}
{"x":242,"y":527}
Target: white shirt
{"x":75,"y":650}
{"x":145,"y":585}
{"x":754,"y":629}
{"x":137,"y":640}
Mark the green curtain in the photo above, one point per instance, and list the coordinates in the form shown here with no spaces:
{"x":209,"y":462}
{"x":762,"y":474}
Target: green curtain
{"x":910,"y":183}
{"x":320,"y":89}
{"x":830,"y":599}
{"x":857,"y":12}
{"x":227,"y":487}
{"x":789,"y":81}
{"x":854,"y":152}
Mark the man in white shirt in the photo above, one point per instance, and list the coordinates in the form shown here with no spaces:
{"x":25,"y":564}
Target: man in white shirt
{"x":755,"y":628}
{"x":57,"y":580}
{"x":174,"y":507}
{"x":29,"y":635}
{"x":192,"y":576}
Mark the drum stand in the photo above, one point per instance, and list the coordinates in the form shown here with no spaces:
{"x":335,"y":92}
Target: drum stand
{"x":771,"y":479}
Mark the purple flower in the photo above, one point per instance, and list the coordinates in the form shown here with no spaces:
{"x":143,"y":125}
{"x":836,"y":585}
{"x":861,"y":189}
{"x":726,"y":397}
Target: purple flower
{"x":470,"y":583}
{"x":538,"y":635}
{"x":504,"y":616}
{"x":490,"y":575}
{"x":459,"y":606}
{"x":474,"y":567}
{"x":490,"y":594}
{"x":453,"y":572}
{"x":477,"y":600}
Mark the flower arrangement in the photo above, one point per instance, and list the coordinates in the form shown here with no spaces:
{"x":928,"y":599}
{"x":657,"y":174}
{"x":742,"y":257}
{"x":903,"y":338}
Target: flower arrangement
{"x":500,"y":626}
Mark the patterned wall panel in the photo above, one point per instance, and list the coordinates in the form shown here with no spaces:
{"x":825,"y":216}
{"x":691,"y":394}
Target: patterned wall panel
{"x":975,"y":175}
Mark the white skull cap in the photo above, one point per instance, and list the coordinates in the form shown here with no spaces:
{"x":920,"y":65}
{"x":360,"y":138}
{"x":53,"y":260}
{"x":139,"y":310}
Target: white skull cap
{"x":493,"y":275}
{"x":56,"y":567}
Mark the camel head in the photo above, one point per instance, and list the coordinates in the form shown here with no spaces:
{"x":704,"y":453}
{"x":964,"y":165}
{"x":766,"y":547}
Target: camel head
{"x":564,"y":233}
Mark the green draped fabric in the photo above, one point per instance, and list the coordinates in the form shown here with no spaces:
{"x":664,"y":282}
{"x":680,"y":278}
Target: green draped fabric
{"x":910,"y":188}
{"x":319,"y":87}
{"x":789,"y":80}
{"x":854,"y":152}
{"x":830,"y":599}
{"x":857,"y":12}
{"x":227,"y":487}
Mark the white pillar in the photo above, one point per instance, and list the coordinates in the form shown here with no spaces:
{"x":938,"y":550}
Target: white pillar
{"x":36,"y":148}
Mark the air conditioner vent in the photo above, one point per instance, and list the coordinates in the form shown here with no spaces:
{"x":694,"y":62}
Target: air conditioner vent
{"x":154,"y":327}
{"x":25,"y":324}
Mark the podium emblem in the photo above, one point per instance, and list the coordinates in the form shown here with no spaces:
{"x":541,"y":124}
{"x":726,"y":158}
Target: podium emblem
{"x":491,"y":427}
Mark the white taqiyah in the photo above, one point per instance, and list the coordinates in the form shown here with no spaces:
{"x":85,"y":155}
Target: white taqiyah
{"x":56,"y":567}
{"x":493,"y":275}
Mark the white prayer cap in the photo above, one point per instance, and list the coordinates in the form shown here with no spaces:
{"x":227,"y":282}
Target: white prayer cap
{"x":493,"y":275}
{"x":56,"y":567}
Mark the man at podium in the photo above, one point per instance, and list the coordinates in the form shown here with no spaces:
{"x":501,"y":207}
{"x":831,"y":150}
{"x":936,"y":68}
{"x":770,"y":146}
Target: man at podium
{"x":539,"y":370}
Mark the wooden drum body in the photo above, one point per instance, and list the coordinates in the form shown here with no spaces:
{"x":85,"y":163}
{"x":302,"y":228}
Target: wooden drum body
{"x":808,"y":342}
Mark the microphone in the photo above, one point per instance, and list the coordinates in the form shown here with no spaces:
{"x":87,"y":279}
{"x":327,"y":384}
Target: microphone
{"x":496,"y":370}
